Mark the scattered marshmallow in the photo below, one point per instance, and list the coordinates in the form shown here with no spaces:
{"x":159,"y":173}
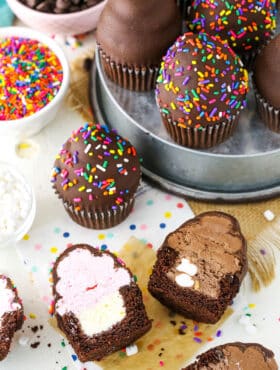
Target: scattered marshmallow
{"x":23,"y":340}
{"x":269,"y":215}
{"x":131,"y":350}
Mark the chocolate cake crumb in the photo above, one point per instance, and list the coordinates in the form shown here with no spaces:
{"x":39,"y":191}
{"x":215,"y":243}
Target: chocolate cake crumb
{"x":35,"y":345}
{"x":173,"y":322}
{"x":34,"y":329}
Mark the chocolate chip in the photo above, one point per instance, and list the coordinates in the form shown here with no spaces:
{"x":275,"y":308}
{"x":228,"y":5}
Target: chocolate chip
{"x":87,"y":64}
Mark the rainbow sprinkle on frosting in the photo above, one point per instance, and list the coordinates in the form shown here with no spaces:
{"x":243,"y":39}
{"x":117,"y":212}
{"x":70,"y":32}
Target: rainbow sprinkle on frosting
{"x":201,"y":82}
{"x":95,"y":164}
{"x":244,"y":23}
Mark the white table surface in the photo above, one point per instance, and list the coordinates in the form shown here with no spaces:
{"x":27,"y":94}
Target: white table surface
{"x":156,"y":213}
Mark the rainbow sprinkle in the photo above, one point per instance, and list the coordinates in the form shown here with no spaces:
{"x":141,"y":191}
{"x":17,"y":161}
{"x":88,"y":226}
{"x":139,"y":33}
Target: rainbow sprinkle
{"x":201,"y":82}
{"x":30,"y":77}
{"x":245,"y":23}
{"x":96,"y":161}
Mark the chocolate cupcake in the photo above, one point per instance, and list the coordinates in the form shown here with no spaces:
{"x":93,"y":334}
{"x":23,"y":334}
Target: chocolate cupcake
{"x":242,"y":356}
{"x":201,"y":90}
{"x":96,"y":174}
{"x":267,"y":81}
{"x":200,"y":266}
{"x":245,"y":24}
{"x":133,"y":36}
{"x":98,"y":305}
{"x":11,"y":314}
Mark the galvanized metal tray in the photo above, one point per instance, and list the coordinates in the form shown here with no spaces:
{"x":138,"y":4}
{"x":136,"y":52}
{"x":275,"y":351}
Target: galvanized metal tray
{"x":245,"y":167}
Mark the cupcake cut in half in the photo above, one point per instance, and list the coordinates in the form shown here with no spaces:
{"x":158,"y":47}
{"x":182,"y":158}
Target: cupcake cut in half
{"x":200,"y":267}
{"x":267,"y":82}
{"x":201,"y":90}
{"x":133,"y":36}
{"x":98,"y":305}
{"x":233,"y":356}
{"x":96,"y":174}
{"x":11,"y":314}
{"x":246,"y":24}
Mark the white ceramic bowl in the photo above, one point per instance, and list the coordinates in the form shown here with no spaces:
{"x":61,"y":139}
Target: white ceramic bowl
{"x":9,"y":239}
{"x":28,"y":126}
{"x":64,"y":24}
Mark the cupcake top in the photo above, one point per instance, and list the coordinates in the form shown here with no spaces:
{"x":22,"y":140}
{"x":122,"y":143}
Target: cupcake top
{"x":246,"y":24}
{"x":268,"y":83}
{"x":138,"y":32}
{"x":201,"y":81}
{"x":96,"y":168}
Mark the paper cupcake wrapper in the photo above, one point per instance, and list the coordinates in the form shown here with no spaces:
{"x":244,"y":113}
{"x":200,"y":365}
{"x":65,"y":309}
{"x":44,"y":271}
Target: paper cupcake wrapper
{"x":200,"y":138}
{"x":269,"y":115}
{"x":131,"y":78}
{"x":100,"y":219}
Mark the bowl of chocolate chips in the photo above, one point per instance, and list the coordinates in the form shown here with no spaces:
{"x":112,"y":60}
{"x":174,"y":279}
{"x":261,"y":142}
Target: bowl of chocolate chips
{"x":59,"y":17}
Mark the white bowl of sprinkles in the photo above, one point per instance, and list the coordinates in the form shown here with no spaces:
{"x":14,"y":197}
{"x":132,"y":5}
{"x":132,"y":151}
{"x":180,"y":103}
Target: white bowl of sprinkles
{"x":34,"y":78}
{"x":17,"y":205}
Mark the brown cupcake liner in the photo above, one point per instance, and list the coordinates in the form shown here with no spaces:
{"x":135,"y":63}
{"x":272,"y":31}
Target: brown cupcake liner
{"x":129,"y":77}
{"x":203,"y":137}
{"x":269,"y":115}
{"x":100,"y":219}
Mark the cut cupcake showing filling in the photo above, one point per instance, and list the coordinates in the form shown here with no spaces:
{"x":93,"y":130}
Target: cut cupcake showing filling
{"x":11,"y":314}
{"x":98,"y":305}
{"x":200,"y":267}
{"x":233,"y":356}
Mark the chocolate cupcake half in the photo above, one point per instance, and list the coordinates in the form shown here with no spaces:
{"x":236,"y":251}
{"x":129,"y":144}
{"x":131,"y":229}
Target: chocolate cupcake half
{"x":11,"y":314}
{"x":200,"y":267}
{"x":266,"y":79}
{"x":132,"y":37}
{"x":98,"y":305}
{"x":201,"y":90}
{"x":96,"y":174}
{"x":237,"y":355}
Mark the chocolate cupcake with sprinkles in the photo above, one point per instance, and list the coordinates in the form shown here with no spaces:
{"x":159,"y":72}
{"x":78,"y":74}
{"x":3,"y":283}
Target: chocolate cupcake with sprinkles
{"x":96,"y":174}
{"x":247,"y":25}
{"x":201,"y":90}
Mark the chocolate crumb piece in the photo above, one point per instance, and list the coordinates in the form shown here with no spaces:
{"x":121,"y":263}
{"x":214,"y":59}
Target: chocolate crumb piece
{"x":35,"y":345}
{"x":182,"y":331}
{"x":49,"y":344}
{"x":87,"y":64}
{"x":227,"y":356}
{"x":209,"y":249}
{"x":34,"y":329}
{"x":41,"y":327}
{"x":173,"y":322}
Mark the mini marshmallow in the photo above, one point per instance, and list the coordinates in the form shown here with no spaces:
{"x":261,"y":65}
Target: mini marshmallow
{"x":131,"y":350}
{"x":184,"y":280}
{"x":269,"y":215}
{"x":187,"y":267}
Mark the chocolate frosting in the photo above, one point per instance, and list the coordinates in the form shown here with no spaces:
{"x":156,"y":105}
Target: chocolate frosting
{"x":236,"y":356}
{"x":267,"y":72}
{"x":214,"y":244}
{"x":138,"y":32}
{"x":96,"y":168}
{"x":201,"y":82}
{"x":245,"y":24}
